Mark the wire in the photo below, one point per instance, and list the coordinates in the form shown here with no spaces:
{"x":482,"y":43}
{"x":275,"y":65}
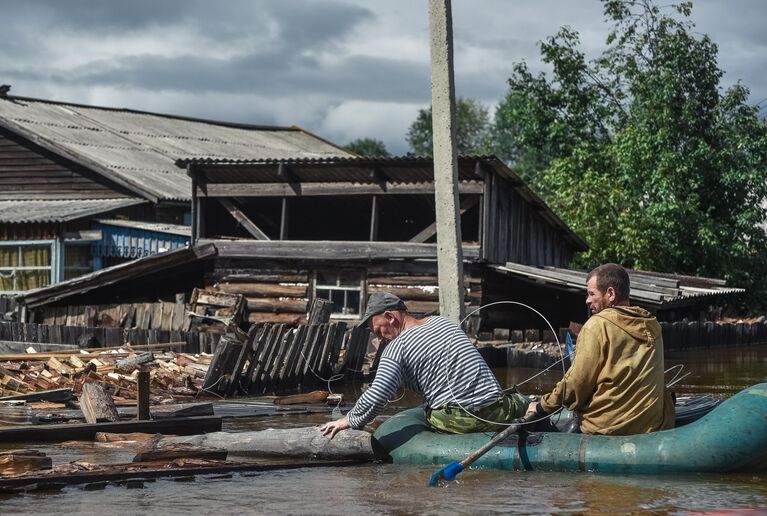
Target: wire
{"x":559,"y":347}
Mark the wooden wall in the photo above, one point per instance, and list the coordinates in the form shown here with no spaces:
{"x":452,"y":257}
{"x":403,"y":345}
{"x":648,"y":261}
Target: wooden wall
{"x":279,"y":293}
{"x":515,"y":232}
{"x":27,"y":171}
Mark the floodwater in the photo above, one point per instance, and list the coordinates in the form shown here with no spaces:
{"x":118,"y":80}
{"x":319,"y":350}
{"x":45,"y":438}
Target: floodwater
{"x":389,"y":489}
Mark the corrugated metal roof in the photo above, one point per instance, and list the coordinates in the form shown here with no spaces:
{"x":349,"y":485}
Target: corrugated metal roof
{"x":138,"y":149}
{"x":59,"y":210}
{"x":646,"y":287}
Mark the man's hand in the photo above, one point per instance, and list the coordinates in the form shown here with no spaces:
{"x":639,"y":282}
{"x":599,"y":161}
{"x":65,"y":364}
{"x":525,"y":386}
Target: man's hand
{"x":334,"y":427}
{"x":532,"y":408}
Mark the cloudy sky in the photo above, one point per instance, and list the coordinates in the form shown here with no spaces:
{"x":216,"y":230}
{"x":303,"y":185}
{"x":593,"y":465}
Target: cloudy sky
{"x":340,"y":68}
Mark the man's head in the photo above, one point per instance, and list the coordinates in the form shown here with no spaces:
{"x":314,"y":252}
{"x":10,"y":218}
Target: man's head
{"x":384,"y":315}
{"x":607,"y":285}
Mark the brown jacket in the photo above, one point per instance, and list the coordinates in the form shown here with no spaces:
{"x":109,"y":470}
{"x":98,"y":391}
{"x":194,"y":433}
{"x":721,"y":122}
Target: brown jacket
{"x":616,"y":380}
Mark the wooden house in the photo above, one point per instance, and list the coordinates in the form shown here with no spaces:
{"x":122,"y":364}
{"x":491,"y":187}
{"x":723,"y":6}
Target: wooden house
{"x":84,"y":187}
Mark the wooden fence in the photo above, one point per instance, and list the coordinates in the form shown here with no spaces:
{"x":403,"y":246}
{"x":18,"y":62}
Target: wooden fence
{"x":279,"y":359}
{"x":94,"y":337}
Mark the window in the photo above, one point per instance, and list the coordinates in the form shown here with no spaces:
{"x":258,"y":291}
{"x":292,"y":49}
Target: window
{"x":25,"y":266}
{"x":77,"y":260}
{"x":342,"y":288}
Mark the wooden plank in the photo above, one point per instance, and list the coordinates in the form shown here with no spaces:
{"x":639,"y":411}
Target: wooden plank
{"x":319,"y":313}
{"x":257,"y":344}
{"x":54,"y":396}
{"x":243,"y":219}
{"x":220,"y":371}
{"x":245,"y":356}
{"x":87,"y":432}
{"x":263,"y":278}
{"x":266,"y":343}
{"x":330,"y":250}
{"x":325,"y":188}
{"x":408,"y":293}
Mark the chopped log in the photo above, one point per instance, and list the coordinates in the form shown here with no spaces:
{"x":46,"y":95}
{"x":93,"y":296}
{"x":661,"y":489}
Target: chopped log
{"x":178,"y":451}
{"x":127,"y":365}
{"x":320,"y":311}
{"x":97,"y":405}
{"x":263,"y":289}
{"x":296,"y":399}
{"x":110,"y":437}
{"x":307,"y":442}
{"x":13,"y":462}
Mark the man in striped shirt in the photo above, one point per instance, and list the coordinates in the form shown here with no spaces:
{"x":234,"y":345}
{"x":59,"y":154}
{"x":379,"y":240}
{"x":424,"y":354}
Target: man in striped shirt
{"x":434,"y":358}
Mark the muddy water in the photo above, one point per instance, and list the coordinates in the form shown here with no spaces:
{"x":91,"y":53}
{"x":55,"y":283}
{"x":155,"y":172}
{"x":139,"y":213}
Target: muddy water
{"x":388,"y":489}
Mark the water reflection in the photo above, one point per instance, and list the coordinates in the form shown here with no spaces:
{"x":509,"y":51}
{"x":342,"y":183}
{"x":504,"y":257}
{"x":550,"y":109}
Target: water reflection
{"x":388,"y":489}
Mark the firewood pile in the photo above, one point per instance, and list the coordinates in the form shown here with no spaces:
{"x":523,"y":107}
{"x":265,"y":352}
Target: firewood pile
{"x":173,"y":376}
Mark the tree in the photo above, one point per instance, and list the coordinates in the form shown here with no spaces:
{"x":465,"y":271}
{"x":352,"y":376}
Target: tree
{"x":472,"y":129}
{"x":641,"y":151}
{"x":368,"y":147}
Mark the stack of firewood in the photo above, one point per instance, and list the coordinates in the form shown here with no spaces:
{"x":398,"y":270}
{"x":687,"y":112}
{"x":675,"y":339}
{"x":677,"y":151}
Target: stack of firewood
{"x":172,"y":375}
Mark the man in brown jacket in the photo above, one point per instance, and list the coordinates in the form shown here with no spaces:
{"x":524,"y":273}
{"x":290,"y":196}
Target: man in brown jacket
{"x":615,"y":384}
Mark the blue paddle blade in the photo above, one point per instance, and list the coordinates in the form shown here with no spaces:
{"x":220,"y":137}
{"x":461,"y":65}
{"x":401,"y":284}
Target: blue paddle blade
{"x":569,"y":345}
{"x":448,"y":473}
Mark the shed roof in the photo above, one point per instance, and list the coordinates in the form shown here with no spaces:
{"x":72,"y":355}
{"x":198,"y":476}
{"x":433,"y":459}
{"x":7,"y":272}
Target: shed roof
{"x":650,"y":288}
{"x":364,"y":170}
{"x":137,"y":149}
{"x":59,"y":210}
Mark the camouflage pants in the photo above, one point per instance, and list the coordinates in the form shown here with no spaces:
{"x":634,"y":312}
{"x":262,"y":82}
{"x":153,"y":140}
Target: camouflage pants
{"x":455,"y":420}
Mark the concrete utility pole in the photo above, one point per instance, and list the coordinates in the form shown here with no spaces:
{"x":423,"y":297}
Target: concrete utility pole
{"x":449,"y":250}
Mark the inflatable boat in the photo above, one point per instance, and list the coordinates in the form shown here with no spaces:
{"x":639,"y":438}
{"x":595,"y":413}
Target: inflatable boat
{"x":732,"y":437}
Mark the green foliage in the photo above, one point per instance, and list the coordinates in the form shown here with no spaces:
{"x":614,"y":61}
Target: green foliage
{"x":368,"y":147}
{"x":640,"y":150}
{"x":472,"y":129}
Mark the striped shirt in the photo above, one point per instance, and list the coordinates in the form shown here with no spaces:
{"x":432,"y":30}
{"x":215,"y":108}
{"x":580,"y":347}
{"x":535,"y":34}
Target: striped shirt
{"x":437,"y":361}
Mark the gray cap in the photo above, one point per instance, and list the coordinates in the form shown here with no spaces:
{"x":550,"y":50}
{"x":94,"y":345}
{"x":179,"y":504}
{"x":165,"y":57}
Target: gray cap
{"x":381,"y":302}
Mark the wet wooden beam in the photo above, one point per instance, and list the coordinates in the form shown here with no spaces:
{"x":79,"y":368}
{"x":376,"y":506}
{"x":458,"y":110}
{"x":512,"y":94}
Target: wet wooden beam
{"x":87,"y":432}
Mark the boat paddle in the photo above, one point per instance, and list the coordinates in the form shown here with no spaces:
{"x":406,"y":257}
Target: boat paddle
{"x":451,"y":470}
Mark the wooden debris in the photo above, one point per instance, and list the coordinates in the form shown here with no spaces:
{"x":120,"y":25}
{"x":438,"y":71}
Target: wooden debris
{"x":14,"y":462}
{"x":127,"y":365}
{"x":97,"y":405}
{"x":296,"y":399}
{"x":109,"y":437}
{"x":171,"y":451}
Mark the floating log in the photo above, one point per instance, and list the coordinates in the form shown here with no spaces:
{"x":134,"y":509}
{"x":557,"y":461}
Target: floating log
{"x":97,"y":405}
{"x":87,"y":432}
{"x":263,"y":289}
{"x":306,"y":443}
{"x":178,"y":451}
{"x":307,"y":398}
{"x":13,"y":462}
